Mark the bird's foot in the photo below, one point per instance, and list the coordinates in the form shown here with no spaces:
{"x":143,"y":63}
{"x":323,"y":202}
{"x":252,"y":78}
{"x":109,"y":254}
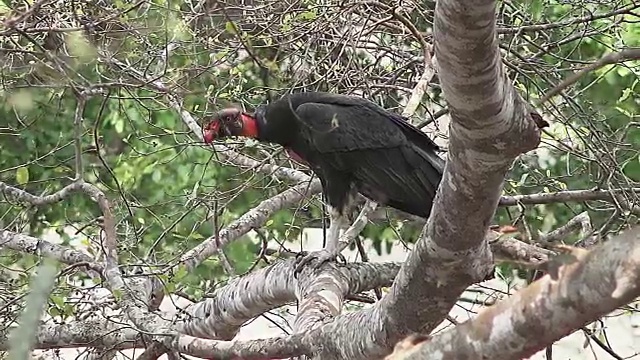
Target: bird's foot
{"x":317,"y":258}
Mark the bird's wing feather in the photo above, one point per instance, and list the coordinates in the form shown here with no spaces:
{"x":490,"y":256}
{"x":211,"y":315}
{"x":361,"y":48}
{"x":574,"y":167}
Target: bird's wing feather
{"x":330,"y":127}
{"x":363,"y":142}
{"x":407,"y":182}
{"x":361,"y":103}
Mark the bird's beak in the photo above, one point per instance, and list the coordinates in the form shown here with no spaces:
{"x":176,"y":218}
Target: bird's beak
{"x":210,"y":132}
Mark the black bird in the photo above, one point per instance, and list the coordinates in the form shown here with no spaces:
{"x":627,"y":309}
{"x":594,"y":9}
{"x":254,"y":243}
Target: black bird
{"x":352,"y":145}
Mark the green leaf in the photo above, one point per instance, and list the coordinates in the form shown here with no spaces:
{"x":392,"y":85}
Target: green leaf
{"x":230,"y":27}
{"x":119,"y":125}
{"x":53,"y":311}
{"x":4,"y":8}
{"x":58,"y":301}
{"x":308,"y":15}
{"x":170,"y":287}
{"x":535,"y":9}
{"x":627,"y":92}
{"x":632,"y":169}
{"x":181,"y":272}
{"x":22,"y":175}
{"x":157,"y":176}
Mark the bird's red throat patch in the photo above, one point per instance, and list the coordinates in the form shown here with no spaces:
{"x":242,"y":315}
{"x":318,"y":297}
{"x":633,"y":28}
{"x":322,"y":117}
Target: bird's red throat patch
{"x":249,"y":126}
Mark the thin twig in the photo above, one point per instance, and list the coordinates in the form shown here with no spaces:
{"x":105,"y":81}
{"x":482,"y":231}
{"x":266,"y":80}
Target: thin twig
{"x":77,"y":124}
{"x":581,"y":221}
{"x":613,"y":58}
{"x":564,"y":196}
{"x":357,"y":226}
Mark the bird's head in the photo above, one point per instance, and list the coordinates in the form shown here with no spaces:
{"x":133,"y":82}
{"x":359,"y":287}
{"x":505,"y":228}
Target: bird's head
{"x":229,"y":122}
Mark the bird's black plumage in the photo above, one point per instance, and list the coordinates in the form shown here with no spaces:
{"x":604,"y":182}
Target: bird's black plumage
{"x":352,"y":144}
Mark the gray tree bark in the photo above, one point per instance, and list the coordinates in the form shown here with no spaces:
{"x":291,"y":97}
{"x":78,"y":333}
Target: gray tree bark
{"x":578,"y":290}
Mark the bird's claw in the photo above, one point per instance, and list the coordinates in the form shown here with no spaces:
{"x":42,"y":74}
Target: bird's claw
{"x":318,"y":257}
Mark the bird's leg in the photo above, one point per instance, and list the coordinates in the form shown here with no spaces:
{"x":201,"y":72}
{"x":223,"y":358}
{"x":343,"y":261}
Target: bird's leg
{"x":357,"y":226}
{"x":332,"y":247}
{"x":336,"y":243}
{"x":337,"y":221}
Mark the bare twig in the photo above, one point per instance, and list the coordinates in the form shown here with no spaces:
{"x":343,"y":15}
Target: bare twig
{"x":588,"y":18}
{"x":564,"y":196}
{"x":77,"y":124}
{"x":358,"y":225}
{"x":420,"y":88}
{"x":580,"y":221}
{"x":31,"y":245}
{"x":613,"y":58}
{"x":253,"y":218}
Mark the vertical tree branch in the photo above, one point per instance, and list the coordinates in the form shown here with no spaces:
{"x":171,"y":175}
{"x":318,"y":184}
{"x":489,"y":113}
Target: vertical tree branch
{"x":77,"y":125}
{"x":490,"y":126}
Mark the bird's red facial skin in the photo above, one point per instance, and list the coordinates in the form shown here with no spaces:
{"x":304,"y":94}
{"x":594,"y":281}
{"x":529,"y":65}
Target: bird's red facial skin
{"x":230,"y":122}
{"x":210,"y":132}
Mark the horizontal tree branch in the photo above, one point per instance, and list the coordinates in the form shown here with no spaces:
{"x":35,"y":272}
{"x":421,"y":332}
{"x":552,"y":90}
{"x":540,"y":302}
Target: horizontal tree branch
{"x":513,"y":250}
{"x":565,"y":196}
{"x":588,"y":18}
{"x":612,"y":58}
{"x":279,"y":347}
{"x":581,"y":221}
{"x":583,"y":287}
{"x":31,"y":245}
{"x":15,"y":194}
{"x":100,"y":332}
{"x":244,"y":298}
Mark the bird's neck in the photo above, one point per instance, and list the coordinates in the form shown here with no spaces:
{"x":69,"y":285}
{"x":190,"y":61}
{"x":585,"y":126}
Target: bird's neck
{"x":272,"y":127}
{"x":249,"y":126}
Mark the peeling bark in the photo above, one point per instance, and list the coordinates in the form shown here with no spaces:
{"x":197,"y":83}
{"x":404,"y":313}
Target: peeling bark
{"x":244,"y":298}
{"x":509,"y":249}
{"x":320,"y":294}
{"x":580,"y":291}
{"x":279,"y":347}
{"x":35,"y":246}
{"x":101,"y":333}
